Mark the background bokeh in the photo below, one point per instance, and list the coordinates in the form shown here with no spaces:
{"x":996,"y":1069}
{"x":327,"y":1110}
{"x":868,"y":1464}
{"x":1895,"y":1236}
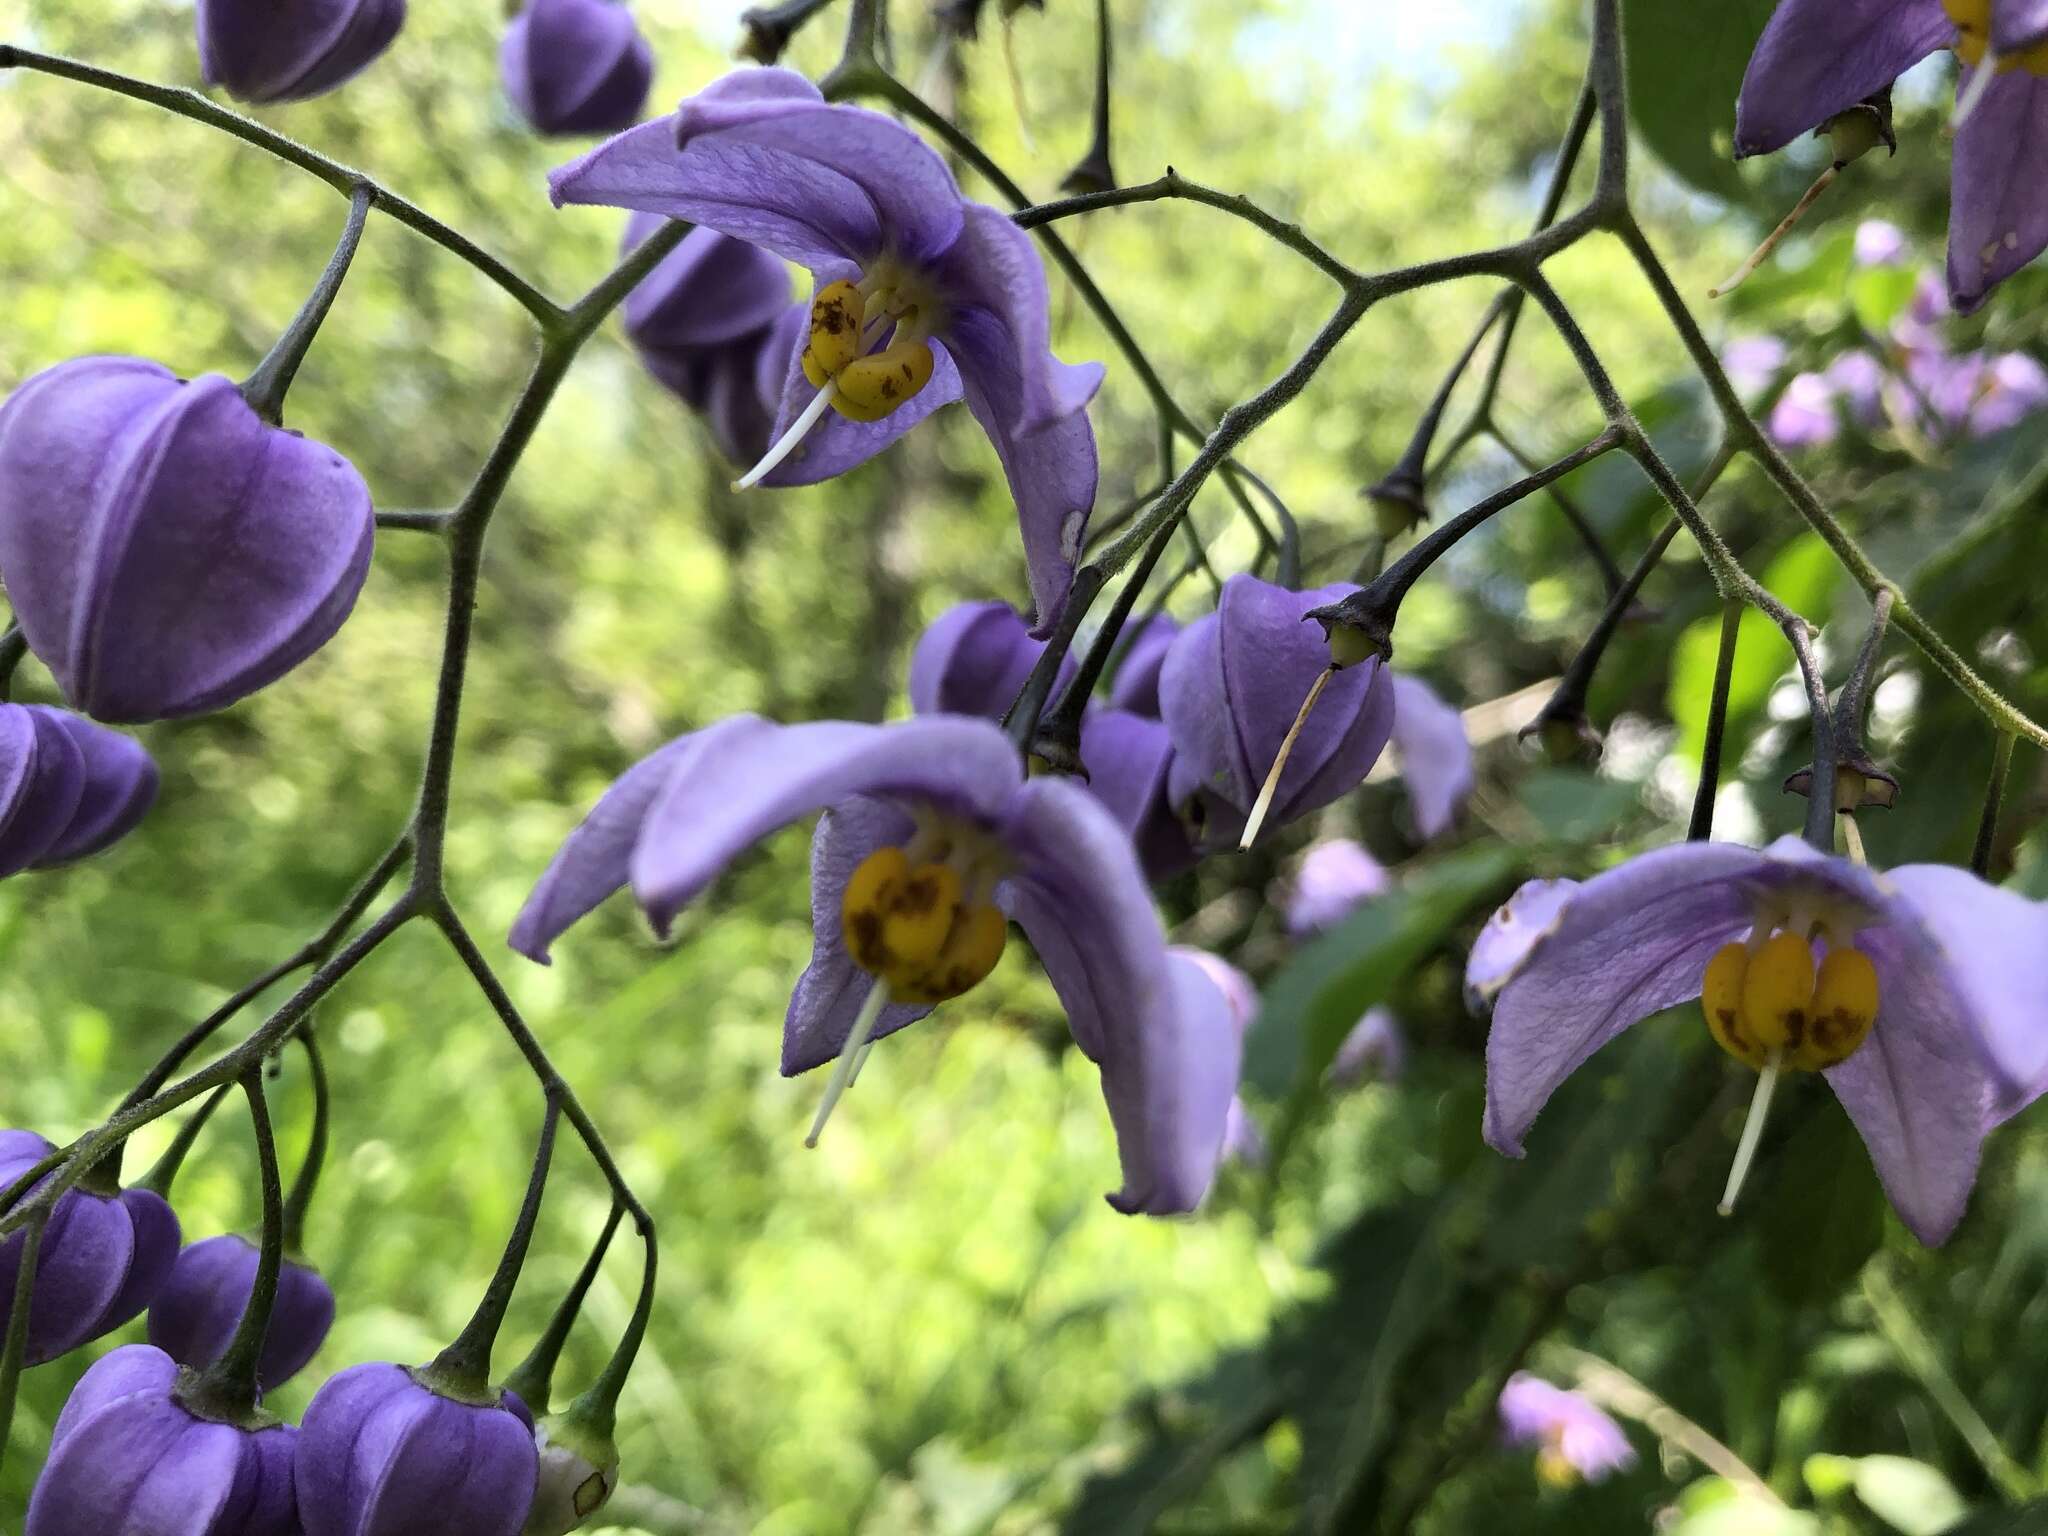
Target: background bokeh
{"x":933,"y":1324}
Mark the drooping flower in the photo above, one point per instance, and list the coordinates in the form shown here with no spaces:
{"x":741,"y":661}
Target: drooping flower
{"x":1435,"y":753}
{"x":129,"y":1458}
{"x":922,"y":296}
{"x":1885,"y":983}
{"x":1129,"y":762}
{"x":1879,"y":243}
{"x":1572,"y":1437}
{"x":972,"y":660}
{"x":195,"y":1314}
{"x":932,"y":837}
{"x":713,"y":322}
{"x":383,"y":1454}
{"x":1231,"y":692}
{"x":105,"y":1254}
{"x":1804,"y":416}
{"x":577,"y":66}
{"x":68,"y":788}
{"x":1336,"y":876}
{"x":167,"y":551}
{"x":1818,"y":59}
{"x":287,"y":50}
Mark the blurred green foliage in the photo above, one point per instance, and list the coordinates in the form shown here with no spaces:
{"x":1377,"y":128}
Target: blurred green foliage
{"x":933,"y":1324}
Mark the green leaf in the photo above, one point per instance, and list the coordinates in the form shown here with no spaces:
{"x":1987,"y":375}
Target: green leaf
{"x":1879,"y":295}
{"x":1803,"y":577}
{"x":1685,"y":64}
{"x":1908,"y":1495}
{"x":1822,"y":1211}
{"x":1312,"y":1004}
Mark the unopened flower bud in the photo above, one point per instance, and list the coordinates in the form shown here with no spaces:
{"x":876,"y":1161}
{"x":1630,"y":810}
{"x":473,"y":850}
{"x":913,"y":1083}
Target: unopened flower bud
{"x":287,"y":50}
{"x":1398,"y":504}
{"x":577,"y":66}
{"x":167,"y":552}
{"x":68,"y":788}
{"x":196,"y":1313}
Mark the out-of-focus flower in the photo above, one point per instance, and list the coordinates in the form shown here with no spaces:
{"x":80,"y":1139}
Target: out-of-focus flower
{"x":287,"y":50}
{"x":1804,"y":416}
{"x":1435,"y":753}
{"x":1751,"y":362}
{"x":1336,"y":876}
{"x":68,"y":788}
{"x":1880,"y":244}
{"x":1373,"y":1049}
{"x":1572,"y":1438}
{"x":1857,"y":380}
{"x":577,"y":66}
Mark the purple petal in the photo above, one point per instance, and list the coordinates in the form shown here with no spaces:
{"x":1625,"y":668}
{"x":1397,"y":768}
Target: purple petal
{"x":709,"y":291}
{"x":2018,"y":24}
{"x":1129,"y":762}
{"x":973,"y":659}
{"x":133,"y":1370}
{"x":798,"y":209}
{"x":1002,"y":326}
{"x":335,"y":1430}
{"x":1628,"y":943}
{"x":597,"y":858}
{"x":1820,"y":57}
{"x":1436,"y":757}
{"x":1136,"y":684}
{"x":1993,"y":948}
{"x":1052,"y":474}
{"x":120,"y":786}
{"x":1533,"y":1413}
{"x":839,"y":443}
{"x":1880,"y":243}
{"x":42,"y":780}
{"x":1243,"y":1141}
{"x":1162,"y":1033}
{"x":832,"y":988}
{"x":153,"y":1252}
{"x":139,"y":1455}
{"x":1804,"y":416}
{"x":1998,"y":206}
{"x":760,"y":776}
{"x":1374,"y":1048}
{"x":1236,"y":987}
{"x":1528,"y":917}
{"x":1335,"y":878}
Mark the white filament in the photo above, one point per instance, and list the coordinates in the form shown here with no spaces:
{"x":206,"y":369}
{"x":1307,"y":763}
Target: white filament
{"x":1758,"y":256}
{"x":1264,"y":803}
{"x":1752,"y":1131}
{"x":786,"y":444}
{"x":851,"y":1055}
{"x":1973,"y":93}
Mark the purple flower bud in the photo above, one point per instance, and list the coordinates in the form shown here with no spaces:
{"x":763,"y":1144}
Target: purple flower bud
{"x":577,"y":66}
{"x":1231,"y":689}
{"x":1804,"y":416}
{"x":68,"y":788}
{"x":715,"y":323}
{"x":287,"y":50}
{"x":1752,"y":361}
{"x":1335,"y":878}
{"x":1136,"y":684}
{"x":196,"y":1313}
{"x":128,"y":1459}
{"x":974,"y":659}
{"x":578,"y":1471}
{"x":382,"y":1454}
{"x":166,"y":550}
{"x":103,"y":1257}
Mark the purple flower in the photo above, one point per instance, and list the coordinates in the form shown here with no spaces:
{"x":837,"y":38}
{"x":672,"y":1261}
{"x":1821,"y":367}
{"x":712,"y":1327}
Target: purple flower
{"x":1819,"y":58}
{"x":1897,"y":986}
{"x":921,"y":295}
{"x":713,"y":321}
{"x":287,"y":50}
{"x":167,"y":551}
{"x":1857,"y":380}
{"x":1230,"y":690}
{"x":931,"y":837}
{"x":1436,"y":755}
{"x":68,"y":788}
{"x":576,"y":66}
{"x":382,"y":1454}
{"x":1374,"y":1048}
{"x":1336,"y":877}
{"x":1136,"y":684}
{"x":2001,"y":391}
{"x":1572,"y":1438}
{"x":104,"y":1255}
{"x":973,"y":659}
{"x":1129,"y":762}
{"x":129,"y":1459}
{"x":1751,"y":362}
{"x":1804,"y":416}
{"x":196,"y":1313}
{"x":1880,"y":243}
